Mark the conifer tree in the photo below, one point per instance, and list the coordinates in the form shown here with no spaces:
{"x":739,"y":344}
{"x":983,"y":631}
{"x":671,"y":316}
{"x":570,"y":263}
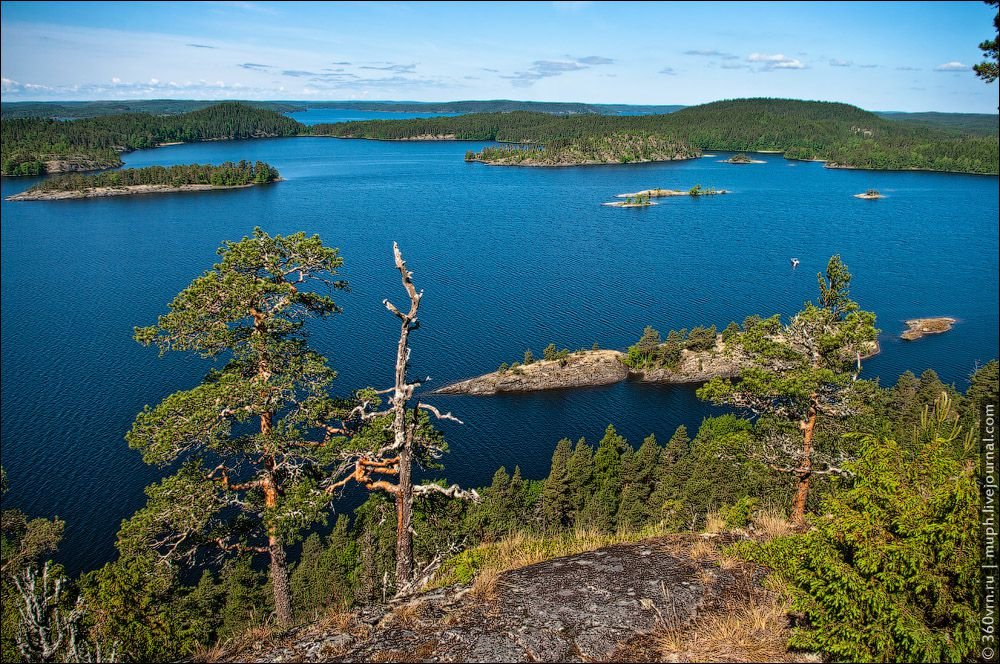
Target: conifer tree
{"x":580,"y":468}
{"x":248,"y":435}
{"x":557,"y":495}
{"x":801,"y":371}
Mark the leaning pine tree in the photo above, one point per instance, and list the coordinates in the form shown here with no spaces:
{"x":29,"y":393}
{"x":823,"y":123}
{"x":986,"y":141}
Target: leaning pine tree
{"x":252,"y":435}
{"x":799,"y":372}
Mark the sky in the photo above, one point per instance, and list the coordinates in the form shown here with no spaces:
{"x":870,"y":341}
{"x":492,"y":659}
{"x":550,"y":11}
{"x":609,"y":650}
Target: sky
{"x":885,"y":56}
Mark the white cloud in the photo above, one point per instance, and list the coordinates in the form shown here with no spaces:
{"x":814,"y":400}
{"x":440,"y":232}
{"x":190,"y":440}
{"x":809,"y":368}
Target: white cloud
{"x":954,"y":65}
{"x":774,"y":61}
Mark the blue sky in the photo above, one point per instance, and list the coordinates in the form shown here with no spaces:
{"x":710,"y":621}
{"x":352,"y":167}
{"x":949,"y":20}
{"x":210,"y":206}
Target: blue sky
{"x":910,"y":56}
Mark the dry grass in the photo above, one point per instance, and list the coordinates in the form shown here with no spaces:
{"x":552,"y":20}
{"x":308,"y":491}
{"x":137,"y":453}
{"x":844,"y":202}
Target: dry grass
{"x":754,"y":631}
{"x":714,"y":523}
{"x":410,"y":614}
{"x":771,"y":523}
{"x":703,"y":549}
{"x":254,"y":637}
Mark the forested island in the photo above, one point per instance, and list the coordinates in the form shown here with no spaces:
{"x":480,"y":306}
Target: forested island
{"x":843,"y":136}
{"x":840,"y":134}
{"x":618,"y":148}
{"x":151,"y":180}
{"x":33,"y":146}
{"x":259,"y":451}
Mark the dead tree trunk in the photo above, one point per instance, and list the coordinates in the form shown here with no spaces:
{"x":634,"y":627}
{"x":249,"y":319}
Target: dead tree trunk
{"x":403,"y":434}
{"x":804,"y":471}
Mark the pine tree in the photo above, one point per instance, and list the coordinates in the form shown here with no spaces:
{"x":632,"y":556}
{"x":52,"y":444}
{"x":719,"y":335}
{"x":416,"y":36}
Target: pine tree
{"x":264,"y":489}
{"x":600,"y":512}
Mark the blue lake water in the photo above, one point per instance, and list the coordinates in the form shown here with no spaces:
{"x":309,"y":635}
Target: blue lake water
{"x":509,"y":258}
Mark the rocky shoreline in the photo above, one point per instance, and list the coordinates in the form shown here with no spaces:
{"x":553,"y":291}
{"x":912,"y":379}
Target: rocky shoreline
{"x":132,"y":190}
{"x":594,"y":368}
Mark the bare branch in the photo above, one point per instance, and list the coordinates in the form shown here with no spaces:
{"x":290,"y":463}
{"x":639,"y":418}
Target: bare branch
{"x":437,"y":413}
{"x":454,"y":491}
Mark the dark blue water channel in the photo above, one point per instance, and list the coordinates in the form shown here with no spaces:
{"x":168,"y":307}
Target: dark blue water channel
{"x":509,"y":258}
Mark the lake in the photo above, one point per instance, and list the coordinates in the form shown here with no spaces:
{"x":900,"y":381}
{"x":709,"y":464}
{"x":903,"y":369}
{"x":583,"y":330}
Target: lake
{"x":509,"y":259}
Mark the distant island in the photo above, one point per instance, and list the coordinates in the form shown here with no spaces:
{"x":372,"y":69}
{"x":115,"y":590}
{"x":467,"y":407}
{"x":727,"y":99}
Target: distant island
{"x":921,"y":327}
{"x":641,"y":198}
{"x":742,"y":159}
{"x":870,"y":195}
{"x":841,"y":135}
{"x":35,"y":146}
{"x":696,"y":190}
{"x":151,"y":180}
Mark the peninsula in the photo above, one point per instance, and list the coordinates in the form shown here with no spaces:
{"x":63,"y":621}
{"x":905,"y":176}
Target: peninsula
{"x":151,"y":180}
{"x":695,"y":356}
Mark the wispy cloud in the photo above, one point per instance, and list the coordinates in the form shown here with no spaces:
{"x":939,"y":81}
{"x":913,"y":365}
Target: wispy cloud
{"x":254,"y":7}
{"x":712,"y":53}
{"x":340,"y":64}
{"x":770,"y":62}
{"x":834,"y":62}
{"x":869,"y":66}
{"x":954,"y":65}
{"x":669,"y":71}
{"x":540,"y":69}
{"x":253,"y":66}
{"x":298,"y":73}
{"x":389,"y":66}
{"x":595,"y":60}
{"x":118,"y":88}
{"x":201,"y":46}
{"x":907,"y":68}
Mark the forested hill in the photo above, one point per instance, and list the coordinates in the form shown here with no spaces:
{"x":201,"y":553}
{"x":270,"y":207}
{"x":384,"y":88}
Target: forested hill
{"x":977,"y":124}
{"x":88,"y":109}
{"x":31,"y":146}
{"x":842,"y":134}
{"x":76,"y":110}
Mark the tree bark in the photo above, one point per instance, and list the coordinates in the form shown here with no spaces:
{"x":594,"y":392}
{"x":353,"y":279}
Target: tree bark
{"x":804,"y":471}
{"x":279,"y":564}
{"x":404,"y":515}
{"x":279,"y":581}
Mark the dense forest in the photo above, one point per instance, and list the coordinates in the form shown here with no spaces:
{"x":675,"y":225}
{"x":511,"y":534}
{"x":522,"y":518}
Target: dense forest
{"x":839,"y":133}
{"x":227,"y":174}
{"x":260,"y":451}
{"x":28,"y":143}
{"x":843,"y":135}
{"x":617,"y":148}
